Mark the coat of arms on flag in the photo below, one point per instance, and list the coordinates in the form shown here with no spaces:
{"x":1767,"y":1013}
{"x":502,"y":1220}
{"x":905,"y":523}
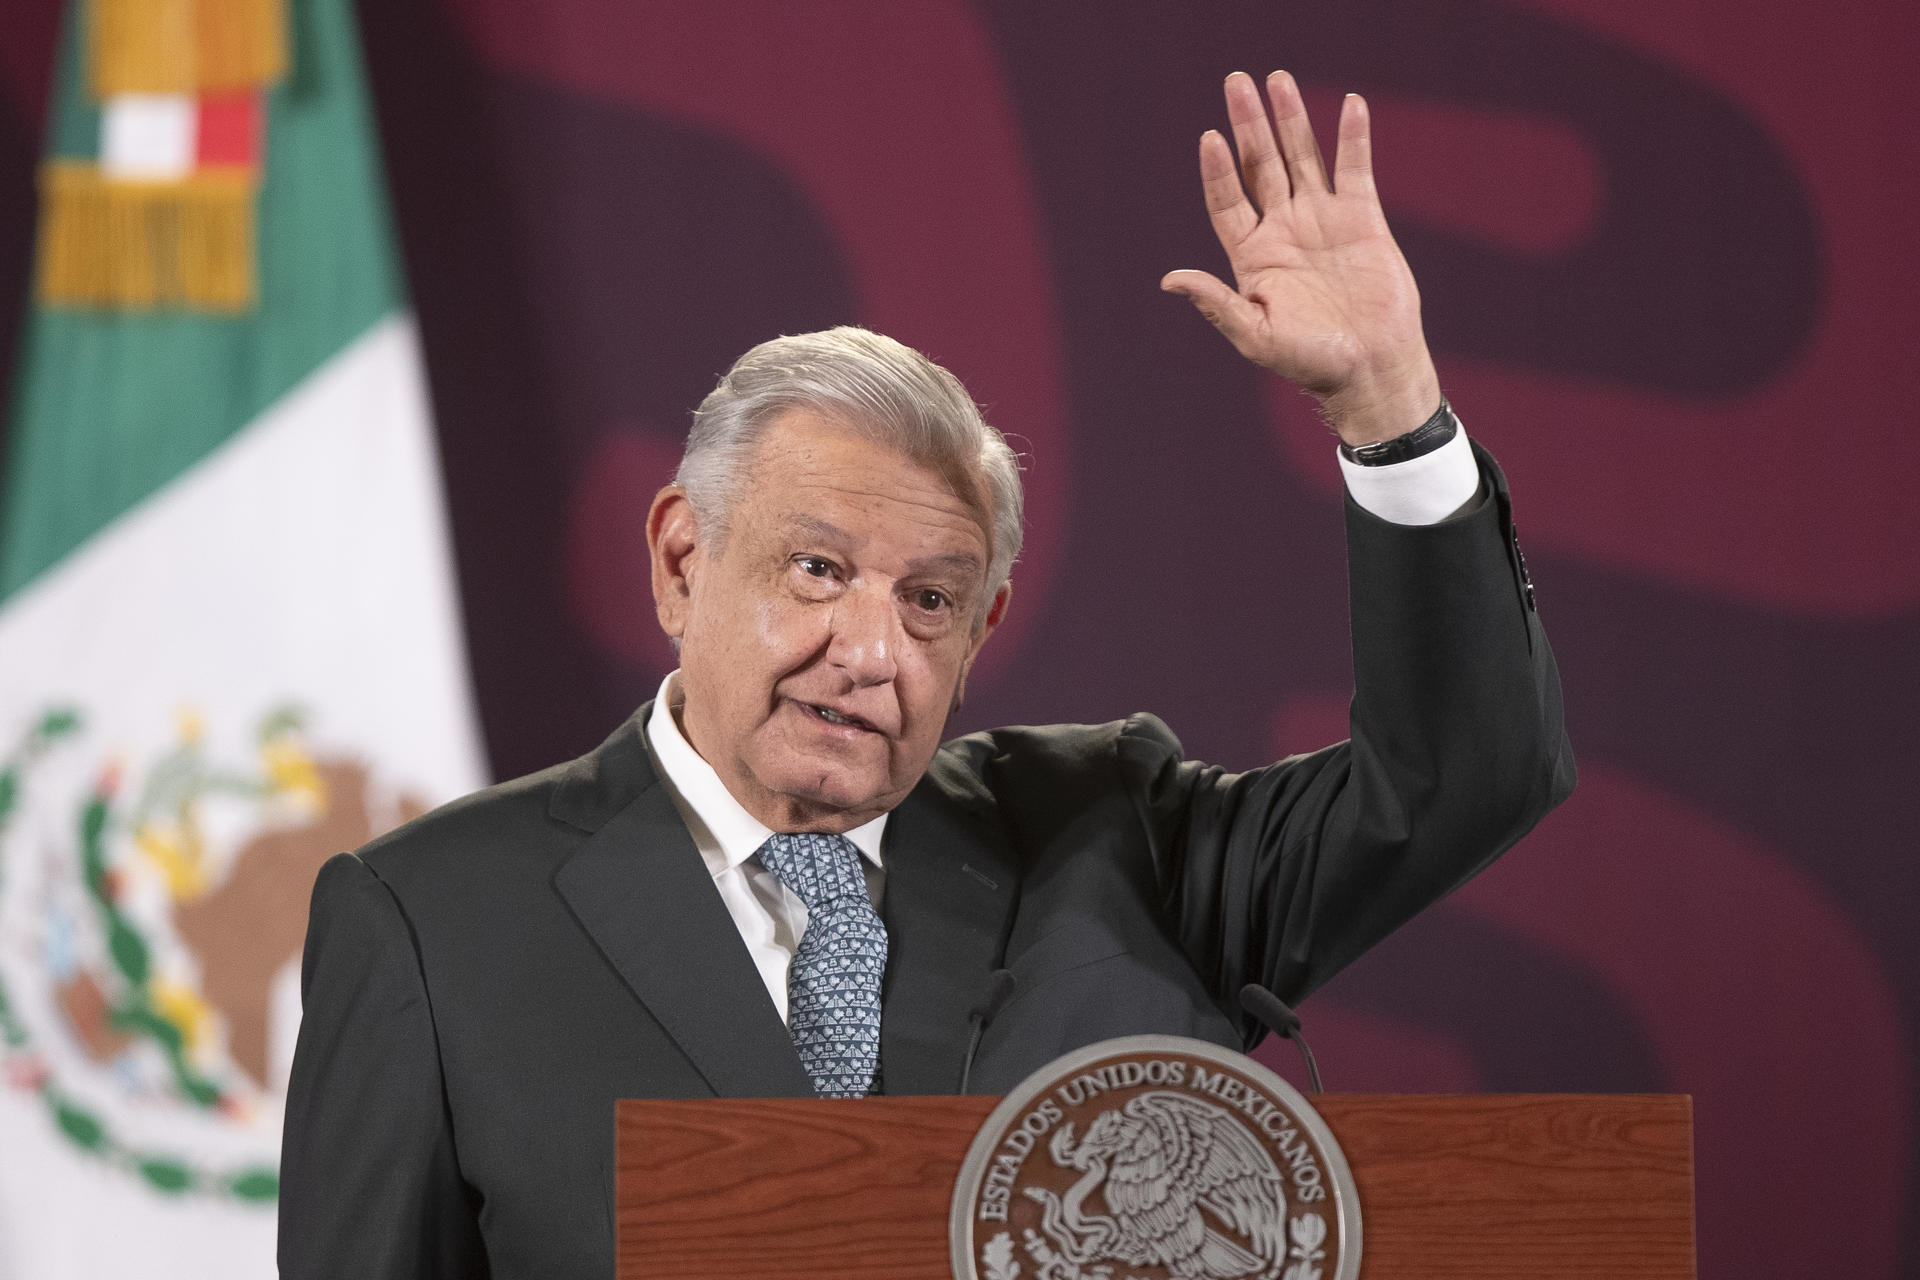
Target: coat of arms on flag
{"x":160,"y":907}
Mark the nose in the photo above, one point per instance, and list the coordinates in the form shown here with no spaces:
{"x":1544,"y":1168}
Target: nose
{"x":862,"y":644}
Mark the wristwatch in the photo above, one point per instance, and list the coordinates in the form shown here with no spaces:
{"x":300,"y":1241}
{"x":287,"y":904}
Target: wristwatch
{"x":1417,"y":443}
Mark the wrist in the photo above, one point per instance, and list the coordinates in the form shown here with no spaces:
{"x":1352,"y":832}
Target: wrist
{"x":1376,"y":411}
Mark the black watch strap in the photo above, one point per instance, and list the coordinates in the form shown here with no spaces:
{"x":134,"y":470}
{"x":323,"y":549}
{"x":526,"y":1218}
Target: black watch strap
{"x":1417,"y":443}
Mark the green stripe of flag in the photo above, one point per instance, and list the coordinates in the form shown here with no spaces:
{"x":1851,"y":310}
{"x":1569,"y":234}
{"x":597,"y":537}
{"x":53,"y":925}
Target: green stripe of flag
{"x":73,"y":126}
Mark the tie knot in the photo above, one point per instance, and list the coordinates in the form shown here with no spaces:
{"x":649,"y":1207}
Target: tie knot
{"x":819,"y":869}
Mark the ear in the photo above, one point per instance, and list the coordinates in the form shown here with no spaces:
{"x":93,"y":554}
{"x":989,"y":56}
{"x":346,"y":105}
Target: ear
{"x":673,"y":546}
{"x":996,"y":614}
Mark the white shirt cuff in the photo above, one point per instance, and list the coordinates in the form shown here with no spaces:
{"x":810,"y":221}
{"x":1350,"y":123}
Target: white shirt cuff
{"x":1425,"y":490}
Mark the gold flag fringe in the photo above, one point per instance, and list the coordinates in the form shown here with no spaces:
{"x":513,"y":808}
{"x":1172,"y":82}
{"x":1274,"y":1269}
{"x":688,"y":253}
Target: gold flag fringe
{"x":240,"y":43}
{"x":142,"y":46}
{"x":186,"y":46}
{"x":133,"y":245}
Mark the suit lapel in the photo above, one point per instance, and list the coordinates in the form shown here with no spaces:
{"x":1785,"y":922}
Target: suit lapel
{"x":950,"y":890}
{"x":639,"y":888}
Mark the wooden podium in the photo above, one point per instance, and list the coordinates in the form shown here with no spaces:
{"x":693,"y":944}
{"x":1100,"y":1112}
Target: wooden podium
{"x":1482,"y":1187}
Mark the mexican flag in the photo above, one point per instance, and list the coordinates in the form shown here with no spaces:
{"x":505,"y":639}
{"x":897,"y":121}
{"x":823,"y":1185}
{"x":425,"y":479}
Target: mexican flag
{"x":229,"y":642}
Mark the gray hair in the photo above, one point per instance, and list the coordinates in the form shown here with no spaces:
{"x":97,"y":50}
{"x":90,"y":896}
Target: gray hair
{"x":882,"y":389}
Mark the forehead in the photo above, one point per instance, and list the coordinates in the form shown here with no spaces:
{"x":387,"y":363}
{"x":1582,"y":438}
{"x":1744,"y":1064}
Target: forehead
{"x":809,"y":473}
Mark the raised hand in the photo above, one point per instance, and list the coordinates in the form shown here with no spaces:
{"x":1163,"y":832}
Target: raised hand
{"x":1323,"y":296}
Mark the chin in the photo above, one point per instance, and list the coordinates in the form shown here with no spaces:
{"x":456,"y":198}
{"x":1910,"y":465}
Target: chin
{"x":848,"y":794}
{"x":813,"y":784}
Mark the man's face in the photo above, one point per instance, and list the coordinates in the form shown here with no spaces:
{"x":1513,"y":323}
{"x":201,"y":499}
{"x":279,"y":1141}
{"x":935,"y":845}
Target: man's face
{"x":825,"y":641}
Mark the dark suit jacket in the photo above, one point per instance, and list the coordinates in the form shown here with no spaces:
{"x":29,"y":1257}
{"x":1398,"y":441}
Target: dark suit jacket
{"x":481,"y":985}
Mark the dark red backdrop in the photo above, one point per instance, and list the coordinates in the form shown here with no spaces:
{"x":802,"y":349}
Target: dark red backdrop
{"x":1667,"y":253}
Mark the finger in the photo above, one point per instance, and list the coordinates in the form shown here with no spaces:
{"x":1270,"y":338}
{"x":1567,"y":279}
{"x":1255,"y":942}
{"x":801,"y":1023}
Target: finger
{"x":1305,"y":169}
{"x":1260,"y":165}
{"x":1233,"y":218}
{"x":1224,"y":309}
{"x":1353,"y":157}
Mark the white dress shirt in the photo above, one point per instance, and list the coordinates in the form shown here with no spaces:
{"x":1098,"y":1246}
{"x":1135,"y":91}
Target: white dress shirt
{"x":769,"y":916}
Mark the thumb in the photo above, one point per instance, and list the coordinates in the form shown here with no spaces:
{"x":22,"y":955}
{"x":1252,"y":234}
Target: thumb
{"x":1224,"y":309}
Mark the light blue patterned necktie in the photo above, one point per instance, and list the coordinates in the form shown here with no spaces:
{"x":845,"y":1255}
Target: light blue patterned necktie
{"x":833,"y":984}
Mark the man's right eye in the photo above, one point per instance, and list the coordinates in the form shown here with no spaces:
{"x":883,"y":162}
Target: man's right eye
{"x":816,"y":566}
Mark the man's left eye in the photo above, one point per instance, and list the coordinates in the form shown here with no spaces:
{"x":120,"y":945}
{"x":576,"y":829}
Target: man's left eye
{"x":816,"y":566}
{"x":931,"y":601}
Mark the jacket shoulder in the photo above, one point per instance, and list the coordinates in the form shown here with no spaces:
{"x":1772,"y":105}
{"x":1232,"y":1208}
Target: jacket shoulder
{"x":1053,"y":750}
{"x":541,"y":814}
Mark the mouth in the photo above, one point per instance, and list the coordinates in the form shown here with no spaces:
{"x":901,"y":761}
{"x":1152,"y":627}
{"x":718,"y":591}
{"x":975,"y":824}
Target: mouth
{"x":839,"y":719}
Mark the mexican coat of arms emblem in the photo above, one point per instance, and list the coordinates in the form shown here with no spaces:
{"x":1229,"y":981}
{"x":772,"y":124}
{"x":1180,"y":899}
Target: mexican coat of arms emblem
{"x":1155,"y":1158}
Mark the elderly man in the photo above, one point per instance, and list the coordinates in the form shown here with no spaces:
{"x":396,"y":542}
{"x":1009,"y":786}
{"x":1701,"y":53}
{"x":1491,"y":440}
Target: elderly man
{"x":775,"y":880}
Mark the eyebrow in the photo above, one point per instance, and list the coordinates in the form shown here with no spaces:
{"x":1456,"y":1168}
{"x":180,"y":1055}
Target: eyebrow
{"x":814,"y":526}
{"x":959,"y":562}
{"x":964,"y":562}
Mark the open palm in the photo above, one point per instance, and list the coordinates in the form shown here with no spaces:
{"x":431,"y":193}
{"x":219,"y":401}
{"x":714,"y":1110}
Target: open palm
{"x":1323,"y":296}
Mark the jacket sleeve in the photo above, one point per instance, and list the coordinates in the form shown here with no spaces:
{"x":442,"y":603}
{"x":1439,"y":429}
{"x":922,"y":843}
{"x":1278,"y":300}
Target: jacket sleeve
{"x":369,"y":1182}
{"x":1284,"y":875}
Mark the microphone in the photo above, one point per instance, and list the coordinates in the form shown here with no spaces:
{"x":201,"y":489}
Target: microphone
{"x":1272,"y":1011}
{"x":999,"y":991}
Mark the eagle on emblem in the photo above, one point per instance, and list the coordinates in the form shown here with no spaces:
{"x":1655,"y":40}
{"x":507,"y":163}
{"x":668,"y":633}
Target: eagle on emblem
{"x":1178,"y":1175}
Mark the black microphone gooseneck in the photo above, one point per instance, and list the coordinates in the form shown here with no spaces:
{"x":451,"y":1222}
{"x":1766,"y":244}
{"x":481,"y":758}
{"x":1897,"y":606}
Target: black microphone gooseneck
{"x":999,"y":991}
{"x":1282,"y":1021}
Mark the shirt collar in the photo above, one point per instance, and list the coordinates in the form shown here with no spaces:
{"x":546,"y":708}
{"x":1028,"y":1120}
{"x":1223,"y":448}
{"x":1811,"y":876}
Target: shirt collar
{"x":734,"y":834}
